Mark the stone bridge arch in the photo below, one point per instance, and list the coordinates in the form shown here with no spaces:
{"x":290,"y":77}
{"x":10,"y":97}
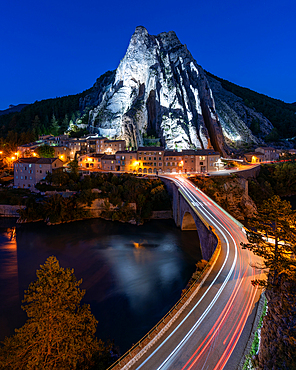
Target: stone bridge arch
{"x":187,"y":222}
{"x":186,"y":218}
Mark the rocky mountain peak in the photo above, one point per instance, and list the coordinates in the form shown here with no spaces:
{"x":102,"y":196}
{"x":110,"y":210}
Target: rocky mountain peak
{"x":158,"y":90}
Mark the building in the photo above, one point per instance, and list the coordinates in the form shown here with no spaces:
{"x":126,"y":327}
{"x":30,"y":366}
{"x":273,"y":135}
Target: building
{"x":270,"y":154}
{"x":254,"y":157}
{"x":28,"y":150}
{"x":109,"y":146}
{"x":90,"y":161}
{"x":62,"y":152}
{"x":189,"y":162}
{"x":29,"y":171}
{"x":150,"y":160}
{"x":206,"y":160}
{"x":109,"y":162}
{"x":173,"y":161}
{"x":127,"y":161}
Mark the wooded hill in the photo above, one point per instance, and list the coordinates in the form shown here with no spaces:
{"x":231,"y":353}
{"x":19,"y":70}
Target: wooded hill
{"x":282,"y":115}
{"x":54,"y":115}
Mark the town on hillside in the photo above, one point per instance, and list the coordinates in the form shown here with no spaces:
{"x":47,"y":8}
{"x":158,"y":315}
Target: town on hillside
{"x":95,"y":153}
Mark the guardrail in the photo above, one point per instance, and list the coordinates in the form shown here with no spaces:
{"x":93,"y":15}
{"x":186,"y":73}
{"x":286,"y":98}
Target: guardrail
{"x":138,"y":349}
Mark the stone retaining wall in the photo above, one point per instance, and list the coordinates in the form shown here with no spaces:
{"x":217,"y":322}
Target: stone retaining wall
{"x":9,"y":211}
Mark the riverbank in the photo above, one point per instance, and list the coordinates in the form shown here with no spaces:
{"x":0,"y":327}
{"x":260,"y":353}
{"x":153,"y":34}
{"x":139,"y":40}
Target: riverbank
{"x":131,"y":272}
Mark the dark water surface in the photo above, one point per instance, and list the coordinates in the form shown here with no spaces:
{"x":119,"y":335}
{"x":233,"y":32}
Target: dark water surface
{"x":132,"y":274}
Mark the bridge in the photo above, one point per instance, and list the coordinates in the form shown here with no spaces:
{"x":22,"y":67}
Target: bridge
{"x":209,"y":327}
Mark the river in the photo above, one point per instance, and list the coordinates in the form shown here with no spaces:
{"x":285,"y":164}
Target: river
{"x":132,"y":274}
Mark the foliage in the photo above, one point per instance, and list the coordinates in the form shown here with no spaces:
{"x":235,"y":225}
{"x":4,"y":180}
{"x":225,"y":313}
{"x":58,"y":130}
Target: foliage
{"x":42,"y":117}
{"x":148,"y":194}
{"x":74,"y":173}
{"x":255,"y":343}
{"x":279,"y":178}
{"x":59,"y":332}
{"x":54,"y":209}
{"x":14,"y":196}
{"x":45,"y":151}
{"x":273,"y":238}
{"x":281,"y":115}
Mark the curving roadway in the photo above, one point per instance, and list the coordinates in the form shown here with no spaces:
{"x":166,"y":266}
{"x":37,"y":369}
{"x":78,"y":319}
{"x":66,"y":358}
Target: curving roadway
{"x":213,"y":330}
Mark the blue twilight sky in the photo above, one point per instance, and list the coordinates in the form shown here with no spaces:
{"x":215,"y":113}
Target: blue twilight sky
{"x":59,"y":47}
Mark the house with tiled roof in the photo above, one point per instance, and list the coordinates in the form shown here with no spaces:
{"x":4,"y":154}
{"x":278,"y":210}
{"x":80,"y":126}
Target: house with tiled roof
{"x":29,"y":171}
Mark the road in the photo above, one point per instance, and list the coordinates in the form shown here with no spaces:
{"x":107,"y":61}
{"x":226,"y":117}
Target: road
{"x":212,"y":331}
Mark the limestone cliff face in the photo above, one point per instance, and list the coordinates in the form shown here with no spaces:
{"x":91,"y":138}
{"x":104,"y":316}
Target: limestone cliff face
{"x":235,"y":117}
{"x":159,"y":89}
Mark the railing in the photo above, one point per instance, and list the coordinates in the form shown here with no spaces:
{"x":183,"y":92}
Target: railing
{"x":170,"y":317}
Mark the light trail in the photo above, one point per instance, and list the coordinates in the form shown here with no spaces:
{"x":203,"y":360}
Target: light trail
{"x":215,"y":222}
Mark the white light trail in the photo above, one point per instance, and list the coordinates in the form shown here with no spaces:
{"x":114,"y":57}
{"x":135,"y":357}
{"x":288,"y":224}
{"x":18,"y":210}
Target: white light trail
{"x":215,"y":222}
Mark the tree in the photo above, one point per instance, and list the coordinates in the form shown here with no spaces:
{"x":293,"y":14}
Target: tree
{"x":45,"y":151}
{"x":273,"y":237}
{"x":54,"y":127}
{"x":59,"y":333}
{"x":74,"y":170}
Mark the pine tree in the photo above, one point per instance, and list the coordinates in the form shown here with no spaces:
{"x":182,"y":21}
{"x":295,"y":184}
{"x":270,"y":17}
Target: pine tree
{"x":54,"y":127}
{"x":59,"y":333}
{"x":273,"y":237}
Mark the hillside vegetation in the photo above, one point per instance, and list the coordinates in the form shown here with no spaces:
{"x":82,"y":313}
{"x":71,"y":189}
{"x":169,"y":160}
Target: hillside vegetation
{"x":49,"y":116}
{"x":282,"y":115}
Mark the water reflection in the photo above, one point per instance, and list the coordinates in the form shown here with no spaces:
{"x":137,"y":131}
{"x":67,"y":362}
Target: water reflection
{"x":132,"y":275}
{"x":9,"y":288}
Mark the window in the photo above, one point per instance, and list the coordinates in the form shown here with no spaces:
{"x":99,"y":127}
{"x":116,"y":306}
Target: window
{"x":25,"y":168}
{"x":40,"y":165}
{"x":30,"y":177}
{"x":201,"y":163}
{"x":40,"y":171}
{"x":16,"y":177}
{"x":159,"y":158}
{"x":160,"y":164}
{"x":154,"y":164}
{"x":155,"y":158}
